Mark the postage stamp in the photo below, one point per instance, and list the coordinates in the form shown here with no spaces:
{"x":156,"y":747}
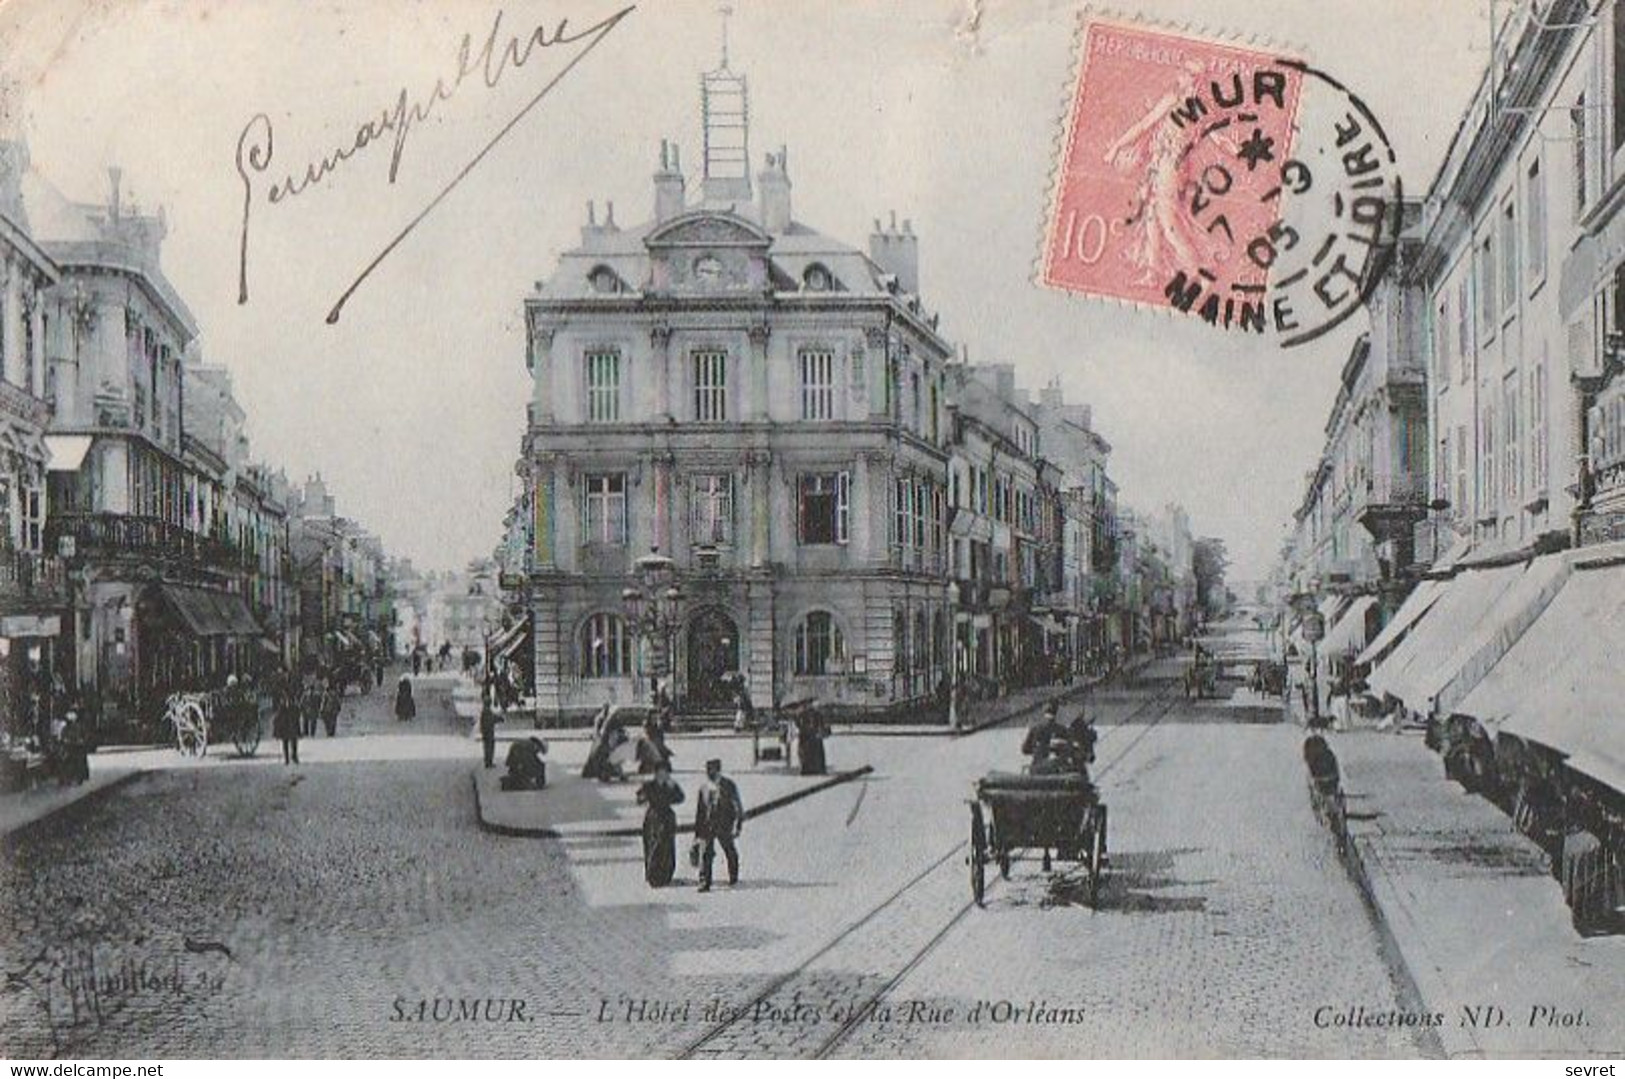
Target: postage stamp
{"x":1239,"y":185}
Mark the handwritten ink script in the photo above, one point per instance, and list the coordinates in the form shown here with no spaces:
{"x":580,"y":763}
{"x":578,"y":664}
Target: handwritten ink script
{"x":256,"y":145}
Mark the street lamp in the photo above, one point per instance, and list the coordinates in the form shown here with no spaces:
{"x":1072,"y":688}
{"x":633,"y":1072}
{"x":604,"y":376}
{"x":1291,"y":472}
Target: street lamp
{"x":653,"y":606}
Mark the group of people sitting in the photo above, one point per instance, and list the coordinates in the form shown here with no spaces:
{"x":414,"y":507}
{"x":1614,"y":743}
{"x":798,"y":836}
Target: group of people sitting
{"x":1058,"y":748}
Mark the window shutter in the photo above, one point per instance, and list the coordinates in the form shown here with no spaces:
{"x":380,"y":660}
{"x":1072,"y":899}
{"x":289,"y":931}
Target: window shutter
{"x":843,"y":486}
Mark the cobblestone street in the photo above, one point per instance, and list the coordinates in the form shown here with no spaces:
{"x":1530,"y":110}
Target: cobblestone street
{"x":357,"y":897}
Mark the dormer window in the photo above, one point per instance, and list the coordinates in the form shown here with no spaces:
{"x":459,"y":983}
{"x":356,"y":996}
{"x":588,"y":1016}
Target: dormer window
{"x":817,"y":278}
{"x":605,"y":280}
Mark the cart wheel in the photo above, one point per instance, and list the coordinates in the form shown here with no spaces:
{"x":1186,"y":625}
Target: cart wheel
{"x":978,"y":855}
{"x":247,"y":737}
{"x":1097,"y":858}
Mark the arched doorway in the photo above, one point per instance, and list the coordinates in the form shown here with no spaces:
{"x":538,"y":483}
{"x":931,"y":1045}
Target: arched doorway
{"x":713,"y":651}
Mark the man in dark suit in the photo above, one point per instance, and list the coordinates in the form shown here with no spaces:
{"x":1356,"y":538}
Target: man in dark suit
{"x":719,"y":815}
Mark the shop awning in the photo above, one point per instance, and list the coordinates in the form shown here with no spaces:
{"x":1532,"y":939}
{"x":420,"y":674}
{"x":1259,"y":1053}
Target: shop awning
{"x":211,"y":614}
{"x":1417,"y":604}
{"x":1414,"y":663}
{"x":1349,"y":633}
{"x":67,"y":451}
{"x":30,"y":625}
{"x":1561,"y":684}
{"x":509,"y":641}
{"x":1495,"y":632}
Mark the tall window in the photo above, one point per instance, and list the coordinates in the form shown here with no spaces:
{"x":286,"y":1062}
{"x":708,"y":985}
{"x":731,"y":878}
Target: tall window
{"x":899,"y":643}
{"x":603,"y":386}
{"x":1578,"y":126}
{"x":606,"y":648}
{"x":605,"y":518}
{"x":1537,"y":427}
{"x":1441,"y":345}
{"x":1463,"y":323}
{"x":1510,"y":415}
{"x":1487,"y":465}
{"x":917,"y":403}
{"x":819,"y":647}
{"x":1509,"y":255}
{"x":1619,"y":76}
{"x":1535,"y":211}
{"x":710,"y":386}
{"x":824,"y":508}
{"x":1462,"y":508}
{"x":817,"y":384}
{"x":711,"y":499}
{"x":1487,"y":308}
{"x":1441,"y":484}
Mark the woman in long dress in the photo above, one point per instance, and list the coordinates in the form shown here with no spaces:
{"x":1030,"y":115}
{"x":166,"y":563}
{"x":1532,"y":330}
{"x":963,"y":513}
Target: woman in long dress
{"x":405,"y":707}
{"x":660,"y":794}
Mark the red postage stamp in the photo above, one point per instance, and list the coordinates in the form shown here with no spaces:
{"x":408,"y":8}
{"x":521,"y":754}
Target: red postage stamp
{"x":1168,"y":191}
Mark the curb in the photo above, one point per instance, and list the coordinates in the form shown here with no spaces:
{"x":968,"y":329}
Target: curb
{"x":8,"y":836}
{"x":1415,"y":981}
{"x":630,"y":831}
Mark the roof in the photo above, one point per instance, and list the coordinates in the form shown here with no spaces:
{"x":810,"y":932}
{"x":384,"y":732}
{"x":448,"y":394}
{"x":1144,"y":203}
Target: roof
{"x":790,"y":253}
{"x":75,"y":236}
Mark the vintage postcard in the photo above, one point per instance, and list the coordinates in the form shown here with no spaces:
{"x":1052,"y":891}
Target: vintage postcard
{"x":791,"y":529}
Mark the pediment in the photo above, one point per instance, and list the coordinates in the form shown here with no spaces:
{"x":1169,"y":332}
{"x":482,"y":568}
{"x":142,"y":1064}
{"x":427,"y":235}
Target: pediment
{"x":708,"y":228}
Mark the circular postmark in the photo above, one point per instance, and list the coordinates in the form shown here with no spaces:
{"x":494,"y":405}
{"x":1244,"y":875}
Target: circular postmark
{"x":1292,"y":234}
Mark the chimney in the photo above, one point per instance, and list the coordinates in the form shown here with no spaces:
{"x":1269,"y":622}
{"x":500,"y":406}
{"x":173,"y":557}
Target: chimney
{"x":13,"y":165}
{"x":897,"y":253}
{"x":1004,"y":381}
{"x":668,"y":183}
{"x":1052,"y":398}
{"x":775,"y":183}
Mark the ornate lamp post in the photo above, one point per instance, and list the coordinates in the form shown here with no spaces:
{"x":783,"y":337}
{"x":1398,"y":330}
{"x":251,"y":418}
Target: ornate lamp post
{"x":653,"y":605}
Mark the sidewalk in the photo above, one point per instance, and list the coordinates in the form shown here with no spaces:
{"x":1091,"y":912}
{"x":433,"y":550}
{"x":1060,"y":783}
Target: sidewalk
{"x":573,"y":808}
{"x":1473,"y":912}
{"x":19,"y":809}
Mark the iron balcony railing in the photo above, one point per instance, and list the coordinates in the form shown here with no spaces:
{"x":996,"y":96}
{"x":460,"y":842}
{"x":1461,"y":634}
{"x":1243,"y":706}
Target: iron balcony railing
{"x":33,"y":577}
{"x":82,"y":535}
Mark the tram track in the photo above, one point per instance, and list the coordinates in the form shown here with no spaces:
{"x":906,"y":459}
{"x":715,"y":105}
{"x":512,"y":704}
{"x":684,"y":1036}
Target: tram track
{"x":1162,"y":703}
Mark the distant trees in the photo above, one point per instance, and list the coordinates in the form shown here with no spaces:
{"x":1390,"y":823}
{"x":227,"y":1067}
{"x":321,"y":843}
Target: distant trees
{"x":1210,"y":562}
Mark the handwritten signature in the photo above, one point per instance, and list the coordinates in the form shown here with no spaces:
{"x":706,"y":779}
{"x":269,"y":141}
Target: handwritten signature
{"x":256,"y":145}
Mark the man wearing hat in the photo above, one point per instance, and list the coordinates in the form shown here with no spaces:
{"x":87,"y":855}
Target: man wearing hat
{"x":719,"y":815}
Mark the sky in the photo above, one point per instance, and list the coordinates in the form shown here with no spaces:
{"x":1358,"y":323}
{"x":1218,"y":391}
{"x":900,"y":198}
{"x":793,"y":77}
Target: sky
{"x":412,"y":405}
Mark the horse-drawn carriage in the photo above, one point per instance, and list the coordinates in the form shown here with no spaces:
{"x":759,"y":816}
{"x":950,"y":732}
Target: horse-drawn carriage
{"x":1014,"y":812}
{"x":223,"y":714}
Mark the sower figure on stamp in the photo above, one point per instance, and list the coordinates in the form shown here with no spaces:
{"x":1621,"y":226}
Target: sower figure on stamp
{"x":719,"y":816}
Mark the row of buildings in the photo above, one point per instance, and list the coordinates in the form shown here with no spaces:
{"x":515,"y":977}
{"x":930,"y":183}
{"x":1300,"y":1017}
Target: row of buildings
{"x":142,"y":548}
{"x":752,"y":451}
{"x":1458,"y":548}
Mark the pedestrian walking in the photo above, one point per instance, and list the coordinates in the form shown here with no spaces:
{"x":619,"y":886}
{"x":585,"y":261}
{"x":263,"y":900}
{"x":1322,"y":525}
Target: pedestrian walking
{"x":660,"y":794}
{"x":405,"y":708}
{"x":332,"y":701}
{"x":719,"y":817}
{"x":310,"y":707}
{"x":489,"y":718}
{"x":417,"y":660}
{"x":286,"y":725}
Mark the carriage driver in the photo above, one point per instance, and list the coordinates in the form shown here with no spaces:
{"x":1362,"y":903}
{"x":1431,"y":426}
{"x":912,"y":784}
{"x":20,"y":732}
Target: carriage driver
{"x":1058,"y":749}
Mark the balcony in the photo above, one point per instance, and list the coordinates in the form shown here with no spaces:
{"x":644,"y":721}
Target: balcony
{"x":16,"y":401}
{"x":117,"y":535}
{"x":1390,"y":506}
{"x":30,"y":579}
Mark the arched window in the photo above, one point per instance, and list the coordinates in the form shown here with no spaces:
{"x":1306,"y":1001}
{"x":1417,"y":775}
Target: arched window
{"x":606,"y":647}
{"x":819,"y":647}
{"x":818,"y":278}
